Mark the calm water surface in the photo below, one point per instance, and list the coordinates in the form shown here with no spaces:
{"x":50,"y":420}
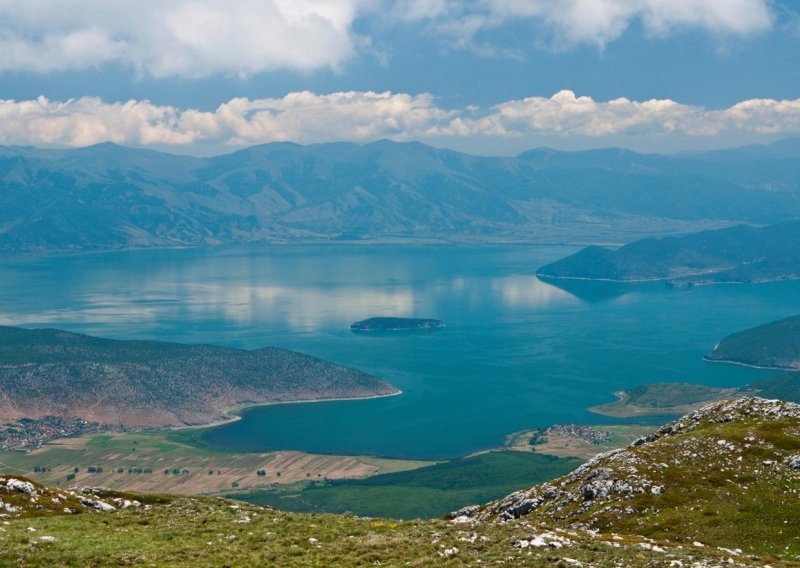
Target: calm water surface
{"x":516,"y":352}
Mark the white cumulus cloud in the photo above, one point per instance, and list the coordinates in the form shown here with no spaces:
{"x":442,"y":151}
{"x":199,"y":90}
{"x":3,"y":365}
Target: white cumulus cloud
{"x":566,"y":114}
{"x":200,"y":38}
{"x":565,"y":24}
{"x":307,"y":117}
{"x":602,"y":21}
{"x":187,"y":38}
{"x":300,"y":117}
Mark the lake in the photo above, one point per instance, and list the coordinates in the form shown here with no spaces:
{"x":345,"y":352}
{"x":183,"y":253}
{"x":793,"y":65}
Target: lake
{"x":516,"y":353}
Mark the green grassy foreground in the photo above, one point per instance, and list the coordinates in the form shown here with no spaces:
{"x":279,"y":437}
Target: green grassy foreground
{"x":198,"y":532}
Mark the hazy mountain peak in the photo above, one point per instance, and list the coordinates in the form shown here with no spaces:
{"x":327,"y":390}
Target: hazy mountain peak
{"x":288,"y":191}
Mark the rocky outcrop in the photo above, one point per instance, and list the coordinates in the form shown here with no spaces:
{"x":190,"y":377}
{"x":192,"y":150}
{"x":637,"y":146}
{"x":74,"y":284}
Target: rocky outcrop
{"x":20,"y":497}
{"x":730,"y":450}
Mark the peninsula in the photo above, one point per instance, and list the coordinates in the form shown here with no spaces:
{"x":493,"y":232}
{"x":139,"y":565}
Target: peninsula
{"x":737,"y":254}
{"x":666,"y":399}
{"x":396,"y":324}
{"x":774,"y":345}
{"x":147,"y":384}
{"x":672,"y":399}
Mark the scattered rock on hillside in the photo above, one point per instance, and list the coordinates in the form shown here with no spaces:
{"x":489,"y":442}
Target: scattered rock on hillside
{"x":20,"y":497}
{"x":726,"y":450}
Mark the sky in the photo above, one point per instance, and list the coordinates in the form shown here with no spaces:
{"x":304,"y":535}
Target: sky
{"x":483,"y":76}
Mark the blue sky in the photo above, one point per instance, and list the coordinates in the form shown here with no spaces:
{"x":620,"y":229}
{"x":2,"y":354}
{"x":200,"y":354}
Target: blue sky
{"x":487,"y":76}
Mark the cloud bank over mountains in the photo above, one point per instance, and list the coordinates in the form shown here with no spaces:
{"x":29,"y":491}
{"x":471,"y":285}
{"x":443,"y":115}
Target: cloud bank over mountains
{"x":200,"y":38}
{"x":306,"y":117}
{"x":181,"y":44}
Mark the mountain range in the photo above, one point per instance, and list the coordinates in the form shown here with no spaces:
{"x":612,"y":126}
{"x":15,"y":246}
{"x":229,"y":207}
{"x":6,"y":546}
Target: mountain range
{"x":111,"y":197}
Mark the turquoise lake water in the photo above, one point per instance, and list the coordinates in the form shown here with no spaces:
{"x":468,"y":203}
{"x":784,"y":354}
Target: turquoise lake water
{"x":516,"y":353}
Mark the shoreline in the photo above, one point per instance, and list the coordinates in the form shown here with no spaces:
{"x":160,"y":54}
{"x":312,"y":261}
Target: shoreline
{"x":454,"y":241}
{"x":622,"y":396}
{"x":676,"y":280}
{"x":752,"y":366}
{"x":629,"y":281}
{"x":233,"y":412}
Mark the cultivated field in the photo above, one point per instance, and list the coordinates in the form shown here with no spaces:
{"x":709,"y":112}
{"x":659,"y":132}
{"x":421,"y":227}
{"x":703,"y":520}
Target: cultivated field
{"x":157,"y":462}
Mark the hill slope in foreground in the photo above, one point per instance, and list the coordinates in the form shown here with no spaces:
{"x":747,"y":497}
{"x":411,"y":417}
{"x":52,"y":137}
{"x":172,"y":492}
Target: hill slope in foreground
{"x":719,"y":486}
{"x":727,"y":474}
{"x":735,"y":254}
{"x":773,"y":345}
{"x":47,"y":372}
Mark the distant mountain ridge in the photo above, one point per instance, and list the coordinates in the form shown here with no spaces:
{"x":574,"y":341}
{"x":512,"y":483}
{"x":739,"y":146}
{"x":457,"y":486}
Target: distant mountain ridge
{"x":111,"y":197}
{"x":735,"y":254}
{"x":49,"y":372}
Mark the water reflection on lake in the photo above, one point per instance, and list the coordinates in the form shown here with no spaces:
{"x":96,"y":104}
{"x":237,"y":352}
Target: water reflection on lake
{"x":242,"y":286}
{"x":517,"y":352}
{"x":528,"y":291}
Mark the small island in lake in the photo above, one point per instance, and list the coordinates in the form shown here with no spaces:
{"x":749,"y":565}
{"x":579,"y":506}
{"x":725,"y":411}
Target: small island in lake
{"x":395,"y":324}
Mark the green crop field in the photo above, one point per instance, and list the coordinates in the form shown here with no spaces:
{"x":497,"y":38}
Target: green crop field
{"x":423,"y":493}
